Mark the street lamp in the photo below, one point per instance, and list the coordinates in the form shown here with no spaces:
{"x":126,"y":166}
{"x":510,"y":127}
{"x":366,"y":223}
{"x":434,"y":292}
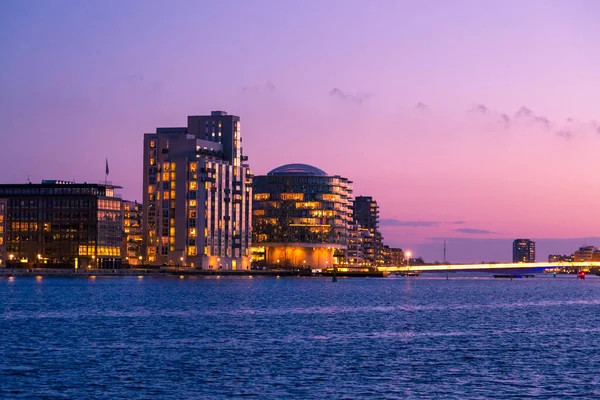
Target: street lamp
{"x":39,"y":257}
{"x":408,"y":254}
{"x":181,"y":261}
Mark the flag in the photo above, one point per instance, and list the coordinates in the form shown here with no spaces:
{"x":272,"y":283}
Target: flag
{"x":106,"y":167}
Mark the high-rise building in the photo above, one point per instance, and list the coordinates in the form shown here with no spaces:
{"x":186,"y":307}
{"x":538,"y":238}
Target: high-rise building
{"x":197,"y":195}
{"x":301,"y":217}
{"x":366,"y":215}
{"x":2,"y":233}
{"x":132,"y":226}
{"x":58,"y":223}
{"x":523,"y":251}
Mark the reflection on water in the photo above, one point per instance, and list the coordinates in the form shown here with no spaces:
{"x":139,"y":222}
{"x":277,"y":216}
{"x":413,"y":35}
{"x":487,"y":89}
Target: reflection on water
{"x":298,"y":338}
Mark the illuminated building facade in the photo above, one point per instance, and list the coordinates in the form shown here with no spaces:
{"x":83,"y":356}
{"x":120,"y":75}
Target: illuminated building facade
{"x":366,"y":215}
{"x":132,"y":226}
{"x":2,"y":233}
{"x":586,"y":253}
{"x":197,"y":195}
{"x":60,"y":223}
{"x":301,"y":217}
{"x":523,"y":251}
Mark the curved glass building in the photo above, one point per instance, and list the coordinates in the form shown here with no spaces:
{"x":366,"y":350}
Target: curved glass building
{"x":301,"y":217}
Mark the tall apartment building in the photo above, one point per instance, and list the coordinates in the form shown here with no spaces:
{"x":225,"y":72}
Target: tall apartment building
{"x":523,"y":251}
{"x":2,"y":233}
{"x":132,"y":226}
{"x":59,"y":223}
{"x":366,"y":215}
{"x":197,"y":202}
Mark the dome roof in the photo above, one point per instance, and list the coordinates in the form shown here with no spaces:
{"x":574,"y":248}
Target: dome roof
{"x":297,"y":170}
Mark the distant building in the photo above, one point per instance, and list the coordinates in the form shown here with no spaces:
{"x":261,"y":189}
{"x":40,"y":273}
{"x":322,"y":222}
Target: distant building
{"x":523,"y":251}
{"x":197,"y":203}
{"x":365,"y":212}
{"x":301,"y":217}
{"x":586,"y":254}
{"x":2,"y":233}
{"x":553,"y":258}
{"x":396,"y":257}
{"x":59,"y":223}
{"x":132,"y":226}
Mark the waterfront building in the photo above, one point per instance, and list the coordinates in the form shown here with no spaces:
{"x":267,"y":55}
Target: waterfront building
{"x":559,"y":258}
{"x":586,"y":254}
{"x":301,"y":217}
{"x":396,"y":257}
{"x":366,"y":215}
{"x":59,"y":223}
{"x":197,"y":195}
{"x":132,"y":226}
{"x":2,"y":233}
{"x":523,"y":251}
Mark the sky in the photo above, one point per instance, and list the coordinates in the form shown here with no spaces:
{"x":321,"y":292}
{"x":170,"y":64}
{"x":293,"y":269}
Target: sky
{"x":474,"y":122}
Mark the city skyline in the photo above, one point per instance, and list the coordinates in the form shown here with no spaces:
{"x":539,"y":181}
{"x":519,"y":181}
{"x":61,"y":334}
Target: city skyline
{"x":477,"y":131}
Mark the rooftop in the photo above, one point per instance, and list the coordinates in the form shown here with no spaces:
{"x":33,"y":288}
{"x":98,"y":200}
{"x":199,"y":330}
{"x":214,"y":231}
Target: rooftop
{"x":297,"y":170}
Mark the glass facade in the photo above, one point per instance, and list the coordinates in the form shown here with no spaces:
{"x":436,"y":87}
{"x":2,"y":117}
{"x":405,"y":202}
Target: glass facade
{"x":62,"y":224}
{"x":300,"y":207}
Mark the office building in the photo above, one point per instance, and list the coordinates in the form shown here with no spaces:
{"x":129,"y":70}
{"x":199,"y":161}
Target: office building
{"x":62,"y":224}
{"x":523,"y":251}
{"x":197,"y":195}
{"x":301,"y":217}
{"x":132,"y":226}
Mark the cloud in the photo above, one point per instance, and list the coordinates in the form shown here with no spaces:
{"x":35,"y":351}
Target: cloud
{"x":268,"y":87}
{"x":523,"y":112}
{"x":417,"y":224}
{"x":505,"y":119}
{"x":421,"y":106}
{"x":473,"y":231}
{"x":565,"y":133}
{"x":412,"y":224}
{"x":358,"y":98}
{"x":542,"y":120}
{"x":480,"y":108}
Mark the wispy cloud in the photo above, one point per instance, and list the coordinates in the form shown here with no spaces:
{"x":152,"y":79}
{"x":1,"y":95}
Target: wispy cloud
{"x":416,"y":224}
{"x":421,"y":106}
{"x":480,"y":109}
{"x":473,"y":231}
{"x":358,"y":98}
{"x":268,"y":87}
{"x":412,"y":224}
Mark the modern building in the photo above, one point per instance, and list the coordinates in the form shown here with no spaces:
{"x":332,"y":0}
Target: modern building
{"x":366,"y":215}
{"x":301,"y":217}
{"x":59,"y":223}
{"x":586,"y":253}
{"x":132,"y":226}
{"x":197,"y":195}
{"x":2,"y":233}
{"x":396,"y":257}
{"x":523,"y":251}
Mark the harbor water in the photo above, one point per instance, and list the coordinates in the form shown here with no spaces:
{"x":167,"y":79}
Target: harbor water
{"x":208,"y":337}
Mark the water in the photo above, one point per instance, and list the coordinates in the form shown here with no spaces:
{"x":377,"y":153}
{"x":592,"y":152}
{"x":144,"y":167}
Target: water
{"x":424,"y":337}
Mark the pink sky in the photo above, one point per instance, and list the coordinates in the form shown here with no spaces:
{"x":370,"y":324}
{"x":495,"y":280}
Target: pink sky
{"x":471,"y":111}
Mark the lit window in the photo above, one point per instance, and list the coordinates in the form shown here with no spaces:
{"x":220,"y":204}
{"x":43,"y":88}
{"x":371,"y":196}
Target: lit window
{"x":152,"y":144}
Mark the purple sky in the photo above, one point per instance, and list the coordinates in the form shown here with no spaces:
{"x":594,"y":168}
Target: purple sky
{"x":479,"y":112}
